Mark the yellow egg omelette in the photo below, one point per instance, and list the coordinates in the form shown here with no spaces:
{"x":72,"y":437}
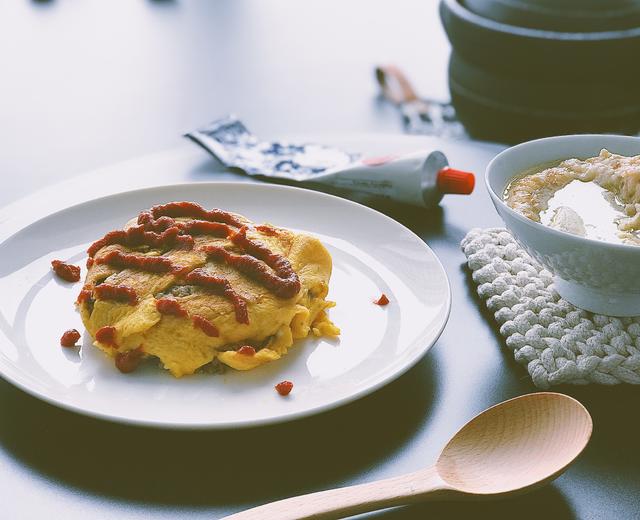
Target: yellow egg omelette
{"x":201,"y":288}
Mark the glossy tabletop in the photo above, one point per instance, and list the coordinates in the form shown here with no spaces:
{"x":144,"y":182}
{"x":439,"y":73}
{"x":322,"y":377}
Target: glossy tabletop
{"x":87,"y":84}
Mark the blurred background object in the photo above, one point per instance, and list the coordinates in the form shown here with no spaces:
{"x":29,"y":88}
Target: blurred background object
{"x":88,"y":84}
{"x":522,"y":69}
{"x":561,"y":15}
{"x":419,"y":115}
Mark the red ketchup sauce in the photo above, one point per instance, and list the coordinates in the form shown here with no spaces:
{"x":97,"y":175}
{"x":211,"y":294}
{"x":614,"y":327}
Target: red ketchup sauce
{"x":157,"y":228}
{"x":254,"y":268}
{"x":205,"y":326}
{"x":151,"y":224}
{"x":383,"y":300}
{"x":70,"y":338}
{"x":130,"y":360}
{"x":284,"y":387}
{"x":119,"y":293}
{"x":137,"y":236}
{"x":170,"y":307}
{"x":85,"y":294}
{"x":107,"y":335}
{"x":193,"y":210}
{"x":204,"y":227}
{"x":287,"y":283}
{"x":267,"y":230}
{"x":68,"y":272}
{"x":220,"y":286}
{"x":151,"y":264}
{"x":246,"y":350}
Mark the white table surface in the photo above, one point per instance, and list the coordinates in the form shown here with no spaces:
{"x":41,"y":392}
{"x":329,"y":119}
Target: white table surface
{"x":86,"y":85}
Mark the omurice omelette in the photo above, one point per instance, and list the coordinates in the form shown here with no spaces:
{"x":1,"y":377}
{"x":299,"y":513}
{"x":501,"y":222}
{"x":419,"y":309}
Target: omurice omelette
{"x":198,"y":288}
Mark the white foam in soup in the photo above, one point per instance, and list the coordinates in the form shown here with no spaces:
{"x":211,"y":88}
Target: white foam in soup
{"x":596,"y":206}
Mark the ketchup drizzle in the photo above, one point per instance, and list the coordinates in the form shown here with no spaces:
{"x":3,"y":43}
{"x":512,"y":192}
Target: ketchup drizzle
{"x":138,"y":236}
{"x":120,"y":293}
{"x":205,"y":326}
{"x":85,"y":294}
{"x":152,"y":264}
{"x":107,"y":335}
{"x":204,"y":227}
{"x":284,"y":283}
{"x":267,"y":230}
{"x":157,"y":228}
{"x":170,"y":307}
{"x":193,"y":210}
{"x":220,"y":286}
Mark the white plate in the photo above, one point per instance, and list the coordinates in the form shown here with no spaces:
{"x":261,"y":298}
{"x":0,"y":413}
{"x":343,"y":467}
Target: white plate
{"x":371,"y":254}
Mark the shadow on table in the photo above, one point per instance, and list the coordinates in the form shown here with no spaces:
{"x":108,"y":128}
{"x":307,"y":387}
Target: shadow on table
{"x":616,"y":429}
{"x":547,"y":502}
{"x":224,"y":468}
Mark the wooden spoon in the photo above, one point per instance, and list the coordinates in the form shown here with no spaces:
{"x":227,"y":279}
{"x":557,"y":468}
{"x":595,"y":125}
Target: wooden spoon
{"x":512,"y":447}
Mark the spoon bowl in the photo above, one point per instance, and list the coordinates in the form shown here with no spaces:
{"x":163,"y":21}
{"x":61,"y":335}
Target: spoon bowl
{"x":510,"y":448}
{"x":523,"y":442}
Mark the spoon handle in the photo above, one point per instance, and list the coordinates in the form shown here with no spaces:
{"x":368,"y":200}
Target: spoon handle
{"x":347,"y":501}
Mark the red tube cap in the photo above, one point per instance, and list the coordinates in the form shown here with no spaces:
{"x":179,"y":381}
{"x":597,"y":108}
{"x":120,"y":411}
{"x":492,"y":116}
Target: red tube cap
{"x":451,"y":180}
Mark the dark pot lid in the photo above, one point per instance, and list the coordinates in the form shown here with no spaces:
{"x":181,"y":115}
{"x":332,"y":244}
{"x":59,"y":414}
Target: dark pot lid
{"x":560,"y":15}
{"x":524,"y":50}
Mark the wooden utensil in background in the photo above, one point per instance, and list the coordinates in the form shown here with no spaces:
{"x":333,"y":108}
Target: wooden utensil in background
{"x":419,"y":115}
{"x":512,"y":447}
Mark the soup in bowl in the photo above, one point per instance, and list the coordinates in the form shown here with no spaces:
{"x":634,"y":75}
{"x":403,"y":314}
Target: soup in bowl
{"x":573,"y":202}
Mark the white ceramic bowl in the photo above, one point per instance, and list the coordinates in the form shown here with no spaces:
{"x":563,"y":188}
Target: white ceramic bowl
{"x":597,"y":276}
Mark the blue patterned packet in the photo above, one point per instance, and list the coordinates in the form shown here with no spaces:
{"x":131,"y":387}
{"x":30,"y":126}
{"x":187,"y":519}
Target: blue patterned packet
{"x":234,"y":146}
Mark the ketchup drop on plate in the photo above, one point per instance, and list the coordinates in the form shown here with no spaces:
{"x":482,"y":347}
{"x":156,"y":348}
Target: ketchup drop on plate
{"x":284,"y":387}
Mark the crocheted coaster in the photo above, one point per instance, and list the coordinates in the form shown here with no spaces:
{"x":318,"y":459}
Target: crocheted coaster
{"x":558,"y":342}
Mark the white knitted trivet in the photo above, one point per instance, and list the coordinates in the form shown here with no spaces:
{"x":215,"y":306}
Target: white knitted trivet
{"x":558,"y":342}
